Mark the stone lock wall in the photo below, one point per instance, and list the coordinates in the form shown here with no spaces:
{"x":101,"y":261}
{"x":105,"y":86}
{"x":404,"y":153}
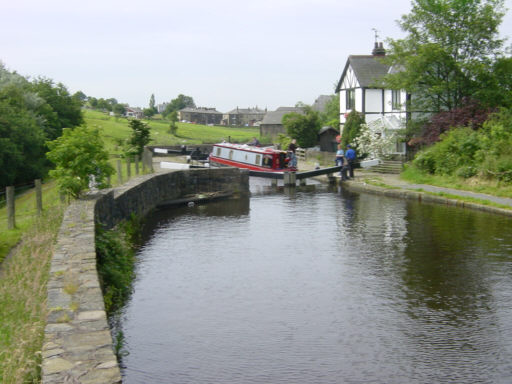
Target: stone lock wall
{"x":78,"y":346}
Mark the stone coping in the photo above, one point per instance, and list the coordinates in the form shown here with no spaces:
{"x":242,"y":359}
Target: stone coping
{"x":78,"y":346}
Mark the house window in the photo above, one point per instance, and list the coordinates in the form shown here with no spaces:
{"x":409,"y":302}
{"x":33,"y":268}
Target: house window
{"x":395,"y":99}
{"x":351,"y":99}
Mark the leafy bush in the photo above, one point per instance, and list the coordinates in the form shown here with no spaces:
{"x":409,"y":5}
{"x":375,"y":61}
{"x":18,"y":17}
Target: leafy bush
{"x":78,"y":154}
{"x":465,"y":152}
{"x":456,"y":149}
{"x":466,"y":172}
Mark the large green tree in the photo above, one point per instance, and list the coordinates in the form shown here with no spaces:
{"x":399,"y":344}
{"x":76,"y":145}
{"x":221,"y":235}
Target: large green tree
{"x":60,"y":110}
{"x":21,"y":139}
{"x":178,"y":103}
{"x":449,"y":45}
{"x":303,"y":127}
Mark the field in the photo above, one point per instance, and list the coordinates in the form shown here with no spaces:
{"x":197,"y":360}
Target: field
{"x":115,"y":131}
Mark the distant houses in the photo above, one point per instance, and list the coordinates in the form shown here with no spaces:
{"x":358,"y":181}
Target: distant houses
{"x":244,"y":117}
{"x":272,"y":123}
{"x":133,"y":112}
{"x":200,"y":115}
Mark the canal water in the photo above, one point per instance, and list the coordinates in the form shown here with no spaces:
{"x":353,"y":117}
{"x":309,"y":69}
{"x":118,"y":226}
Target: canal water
{"x":321,"y":286}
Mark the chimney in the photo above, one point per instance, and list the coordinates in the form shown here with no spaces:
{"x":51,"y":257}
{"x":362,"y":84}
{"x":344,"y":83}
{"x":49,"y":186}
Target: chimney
{"x":378,"y":50}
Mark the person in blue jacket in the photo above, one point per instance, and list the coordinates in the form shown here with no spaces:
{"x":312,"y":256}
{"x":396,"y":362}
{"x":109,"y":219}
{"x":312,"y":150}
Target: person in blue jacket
{"x":350,"y":155}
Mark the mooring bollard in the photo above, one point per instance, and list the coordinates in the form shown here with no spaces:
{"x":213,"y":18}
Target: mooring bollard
{"x":39,"y":197}
{"x":11,"y":219}
{"x":119,"y":172}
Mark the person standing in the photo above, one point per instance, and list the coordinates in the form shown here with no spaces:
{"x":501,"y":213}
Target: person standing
{"x":291,"y":153}
{"x":339,"y":156}
{"x":350,"y":154}
{"x":341,"y":161}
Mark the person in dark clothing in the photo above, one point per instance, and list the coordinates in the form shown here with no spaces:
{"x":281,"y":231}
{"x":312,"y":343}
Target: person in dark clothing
{"x":255,"y":142}
{"x":350,"y":155}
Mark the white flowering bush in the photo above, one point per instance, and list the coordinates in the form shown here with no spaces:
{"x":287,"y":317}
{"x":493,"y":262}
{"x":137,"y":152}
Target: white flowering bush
{"x":375,"y":143}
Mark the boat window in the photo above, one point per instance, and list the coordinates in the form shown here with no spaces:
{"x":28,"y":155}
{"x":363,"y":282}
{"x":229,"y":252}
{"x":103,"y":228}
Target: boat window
{"x":231,"y":155}
{"x":267,"y":161}
{"x":258,"y":160}
{"x":218,"y":152}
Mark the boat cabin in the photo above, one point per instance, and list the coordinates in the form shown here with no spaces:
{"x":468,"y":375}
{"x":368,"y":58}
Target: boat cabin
{"x":266,"y":159}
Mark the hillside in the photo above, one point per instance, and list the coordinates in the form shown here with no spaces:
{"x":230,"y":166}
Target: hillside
{"x":115,"y":130}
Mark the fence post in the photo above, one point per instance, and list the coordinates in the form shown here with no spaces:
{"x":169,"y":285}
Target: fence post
{"x":11,"y":220}
{"x":128,"y":167}
{"x":147,"y":160}
{"x":137,"y":164}
{"x":39,"y":197}
{"x":119,"y":173}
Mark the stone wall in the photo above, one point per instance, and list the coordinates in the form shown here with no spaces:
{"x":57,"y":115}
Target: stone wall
{"x":78,"y":346}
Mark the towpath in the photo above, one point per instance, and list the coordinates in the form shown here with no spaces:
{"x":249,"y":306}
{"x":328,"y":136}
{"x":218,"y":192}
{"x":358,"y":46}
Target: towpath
{"x":394,"y":181}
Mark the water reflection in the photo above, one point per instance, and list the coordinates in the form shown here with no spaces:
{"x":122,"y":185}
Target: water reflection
{"x":321,"y":286}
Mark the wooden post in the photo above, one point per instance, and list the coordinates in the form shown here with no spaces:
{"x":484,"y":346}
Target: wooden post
{"x":137,"y":164}
{"x":289,"y":178}
{"x":119,"y":173}
{"x":128,"y":167}
{"x":147,"y":160}
{"x":39,"y":197}
{"x":11,"y":219}
{"x":274,"y":182}
{"x":303,"y":182}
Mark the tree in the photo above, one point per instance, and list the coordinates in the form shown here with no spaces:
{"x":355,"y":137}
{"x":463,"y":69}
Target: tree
{"x":139,"y":138}
{"x":119,"y":109}
{"x":303,"y":127}
{"x":152,"y":101}
{"x":331,"y":115}
{"x":173,"y":127}
{"x":352,"y":128}
{"x":450,"y":43}
{"x":178,"y":103}
{"x":60,"y":111}
{"x":21,"y":139}
{"x":78,"y":154}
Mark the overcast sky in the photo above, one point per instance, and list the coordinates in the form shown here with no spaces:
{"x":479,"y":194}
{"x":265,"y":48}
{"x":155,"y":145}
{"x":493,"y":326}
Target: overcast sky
{"x":223,"y":53}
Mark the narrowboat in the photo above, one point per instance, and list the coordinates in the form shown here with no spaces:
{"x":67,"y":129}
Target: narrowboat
{"x":263,"y":159}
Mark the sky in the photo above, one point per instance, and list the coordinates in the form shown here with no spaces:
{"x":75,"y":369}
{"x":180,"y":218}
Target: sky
{"x":223,"y":53}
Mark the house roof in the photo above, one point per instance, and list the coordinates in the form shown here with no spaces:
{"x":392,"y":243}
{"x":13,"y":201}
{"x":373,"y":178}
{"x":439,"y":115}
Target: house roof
{"x":201,"y":110}
{"x":367,"y":68}
{"x":246,"y":111}
{"x":276,"y":117}
{"x":321,"y":102}
{"x":327,"y":129}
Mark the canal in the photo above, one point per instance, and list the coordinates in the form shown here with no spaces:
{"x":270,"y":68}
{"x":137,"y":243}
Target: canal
{"x":316,"y":285}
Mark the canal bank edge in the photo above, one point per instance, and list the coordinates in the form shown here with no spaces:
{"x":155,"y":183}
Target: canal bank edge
{"x":77,"y":345}
{"x":403,"y":193}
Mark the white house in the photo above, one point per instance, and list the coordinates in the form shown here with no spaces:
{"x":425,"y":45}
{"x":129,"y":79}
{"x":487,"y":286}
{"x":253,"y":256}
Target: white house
{"x":384,"y":110}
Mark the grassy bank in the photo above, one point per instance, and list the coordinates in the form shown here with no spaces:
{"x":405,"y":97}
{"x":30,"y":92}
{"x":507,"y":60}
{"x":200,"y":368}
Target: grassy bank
{"x":26,"y":215}
{"x":474,"y":184}
{"x":115,"y":130}
{"x":23,"y":283}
